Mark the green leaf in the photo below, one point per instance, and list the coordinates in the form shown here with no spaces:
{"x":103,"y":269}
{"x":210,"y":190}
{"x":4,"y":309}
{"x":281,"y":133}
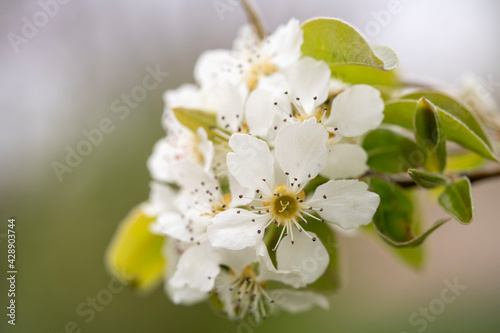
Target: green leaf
{"x":426,"y":124}
{"x":395,"y":218}
{"x":366,"y":75}
{"x":390,"y":152}
{"x":436,"y":160}
{"x":455,"y":108}
{"x":429,"y":136}
{"x":456,"y":199}
{"x":194,"y":119}
{"x":402,"y":112}
{"x":134,"y":255}
{"x":415,"y":241}
{"x":464,"y":161}
{"x":427,"y":179}
{"x":413,"y":256}
{"x":338,"y":44}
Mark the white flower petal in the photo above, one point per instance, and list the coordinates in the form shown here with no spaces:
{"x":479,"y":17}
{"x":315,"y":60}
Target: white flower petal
{"x":206,"y":148}
{"x":236,"y":231}
{"x":259,"y":111}
{"x":225,"y":296}
{"x":211,"y":64}
{"x":346,"y":203}
{"x":185,"y":295}
{"x":237,"y":190}
{"x":197,"y":268}
{"x":161,"y":199}
{"x":160,"y":161}
{"x":251,"y":162}
{"x":171,"y":224}
{"x":231,"y":100}
{"x":308,"y":257}
{"x":238,"y":260}
{"x":309,"y":78}
{"x":191,"y":176}
{"x":285,"y":43}
{"x":301,"y":150}
{"x":187,"y":96}
{"x":276,"y":82}
{"x":345,"y":161}
{"x":356,"y":111}
{"x":295,"y":301}
{"x":269,"y":273}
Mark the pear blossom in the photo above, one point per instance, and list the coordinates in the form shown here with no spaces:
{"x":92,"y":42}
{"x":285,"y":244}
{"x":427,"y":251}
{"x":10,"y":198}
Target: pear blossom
{"x":197,"y":202}
{"x":243,"y":288}
{"x":251,"y":58}
{"x":180,"y":143}
{"x":261,"y":150}
{"x":301,"y":152}
{"x":240,"y":280}
{"x":306,"y":85}
{"x":183,"y":294}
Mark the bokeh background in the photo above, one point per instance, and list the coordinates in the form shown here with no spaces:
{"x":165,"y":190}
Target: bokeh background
{"x":64,"y":80}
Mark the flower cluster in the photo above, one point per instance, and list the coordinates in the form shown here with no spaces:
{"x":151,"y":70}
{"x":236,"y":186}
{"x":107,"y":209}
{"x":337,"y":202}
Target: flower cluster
{"x":262,"y":147}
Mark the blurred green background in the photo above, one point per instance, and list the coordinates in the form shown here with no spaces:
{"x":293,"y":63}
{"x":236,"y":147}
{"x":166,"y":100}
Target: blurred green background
{"x":64,"y":80}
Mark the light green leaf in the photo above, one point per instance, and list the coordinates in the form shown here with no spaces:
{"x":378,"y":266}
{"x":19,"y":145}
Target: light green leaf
{"x":338,"y":44}
{"x":194,"y":119}
{"x":455,"y":108}
{"x":366,"y":75}
{"x":390,"y":152}
{"x":402,"y":112}
{"x":427,"y":179}
{"x":134,"y":255}
{"x":436,"y":161}
{"x":456,"y":199}
{"x":464,"y":161}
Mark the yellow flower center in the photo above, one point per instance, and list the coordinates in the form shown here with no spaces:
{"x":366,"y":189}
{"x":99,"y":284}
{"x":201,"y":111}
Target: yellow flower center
{"x":259,"y":69}
{"x":285,"y":204}
{"x":221,"y":205}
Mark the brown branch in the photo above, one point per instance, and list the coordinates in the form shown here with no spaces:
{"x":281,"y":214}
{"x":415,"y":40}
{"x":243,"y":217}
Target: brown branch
{"x":407,"y":182}
{"x":254,"y":17}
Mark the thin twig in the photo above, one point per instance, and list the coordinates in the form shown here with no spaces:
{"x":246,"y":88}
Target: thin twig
{"x":407,"y":182}
{"x":254,"y":18}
